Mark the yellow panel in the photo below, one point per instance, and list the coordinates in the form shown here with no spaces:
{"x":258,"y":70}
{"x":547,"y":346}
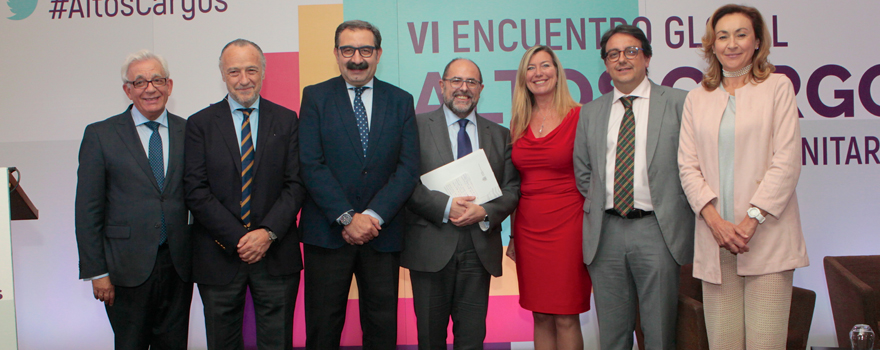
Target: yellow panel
{"x":317,"y":28}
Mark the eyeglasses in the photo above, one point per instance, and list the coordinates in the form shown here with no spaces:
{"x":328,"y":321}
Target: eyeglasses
{"x":471,"y":83}
{"x":348,"y":51}
{"x":629,"y":52}
{"x":142,"y":84}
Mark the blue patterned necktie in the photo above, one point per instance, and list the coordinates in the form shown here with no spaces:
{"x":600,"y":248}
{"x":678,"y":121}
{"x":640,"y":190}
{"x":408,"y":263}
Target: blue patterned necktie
{"x":157,"y":164}
{"x":624,"y":160}
{"x":360,"y":112}
{"x":464,"y":141}
{"x":247,"y":166}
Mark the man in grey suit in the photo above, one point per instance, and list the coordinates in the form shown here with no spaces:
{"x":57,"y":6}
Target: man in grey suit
{"x":638,"y":227}
{"x":452,"y":245}
{"x":131,"y":222}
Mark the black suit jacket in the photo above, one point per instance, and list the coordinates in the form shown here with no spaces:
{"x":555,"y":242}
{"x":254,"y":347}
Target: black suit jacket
{"x":429,"y":243}
{"x":119,"y":206}
{"x":338,"y":176}
{"x":213,"y":190}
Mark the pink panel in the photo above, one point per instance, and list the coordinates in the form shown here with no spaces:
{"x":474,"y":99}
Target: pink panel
{"x":282,"y":79}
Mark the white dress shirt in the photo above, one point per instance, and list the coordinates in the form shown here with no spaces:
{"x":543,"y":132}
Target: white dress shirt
{"x":641,"y":191}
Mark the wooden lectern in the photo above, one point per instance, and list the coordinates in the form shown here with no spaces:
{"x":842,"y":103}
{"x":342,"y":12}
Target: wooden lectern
{"x":14,"y":205}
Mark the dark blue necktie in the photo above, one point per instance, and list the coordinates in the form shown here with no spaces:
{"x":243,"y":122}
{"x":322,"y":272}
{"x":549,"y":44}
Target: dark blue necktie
{"x":361,"y":113}
{"x":464,"y":141}
{"x":157,"y":164}
{"x":247,"y":166}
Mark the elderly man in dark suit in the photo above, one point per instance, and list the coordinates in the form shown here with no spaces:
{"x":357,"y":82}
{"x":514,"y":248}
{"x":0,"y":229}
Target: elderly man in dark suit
{"x":131,"y":222}
{"x":243,"y":188}
{"x":638,"y":225}
{"x":360,"y":161}
{"x":452,"y":246}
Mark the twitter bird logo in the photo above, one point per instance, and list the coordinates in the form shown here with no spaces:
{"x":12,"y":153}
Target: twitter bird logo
{"x":21,"y":8}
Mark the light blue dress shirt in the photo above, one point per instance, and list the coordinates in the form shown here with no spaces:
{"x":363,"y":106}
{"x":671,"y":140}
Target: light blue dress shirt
{"x":238,"y":119}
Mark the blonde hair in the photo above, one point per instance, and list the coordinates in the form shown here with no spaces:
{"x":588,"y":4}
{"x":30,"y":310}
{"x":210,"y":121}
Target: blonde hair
{"x":523,"y":99}
{"x":761,"y":68}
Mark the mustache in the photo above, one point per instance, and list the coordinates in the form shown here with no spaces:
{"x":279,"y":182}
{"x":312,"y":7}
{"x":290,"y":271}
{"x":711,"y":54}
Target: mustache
{"x":357,"y":66}
{"x":463,"y":93}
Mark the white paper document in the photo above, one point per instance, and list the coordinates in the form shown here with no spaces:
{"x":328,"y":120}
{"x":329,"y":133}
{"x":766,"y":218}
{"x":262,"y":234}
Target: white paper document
{"x":470,"y":175}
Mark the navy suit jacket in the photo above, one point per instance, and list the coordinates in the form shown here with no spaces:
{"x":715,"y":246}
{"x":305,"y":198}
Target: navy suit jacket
{"x":338,"y":176}
{"x":213,"y":190}
{"x":119,"y":206}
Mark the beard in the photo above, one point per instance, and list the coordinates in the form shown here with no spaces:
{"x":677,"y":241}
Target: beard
{"x":461,"y":111}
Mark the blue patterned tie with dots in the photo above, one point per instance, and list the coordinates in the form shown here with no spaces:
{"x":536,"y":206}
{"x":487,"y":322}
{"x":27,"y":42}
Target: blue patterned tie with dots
{"x":360,"y":112}
{"x":464,"y":141}
{"x":247,"y":165}
{"x":157,"y":164}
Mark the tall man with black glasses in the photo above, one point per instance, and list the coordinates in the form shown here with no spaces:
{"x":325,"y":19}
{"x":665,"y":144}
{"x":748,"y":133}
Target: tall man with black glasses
{"x":638,"y":225}
{"x":359,"y":151}
{"x":131,"y":222}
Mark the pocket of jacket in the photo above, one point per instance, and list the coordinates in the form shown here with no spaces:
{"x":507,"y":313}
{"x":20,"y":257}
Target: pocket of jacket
{"x":117,"y":232}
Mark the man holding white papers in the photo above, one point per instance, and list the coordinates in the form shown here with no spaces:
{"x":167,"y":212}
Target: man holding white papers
{"x":453,"y":245}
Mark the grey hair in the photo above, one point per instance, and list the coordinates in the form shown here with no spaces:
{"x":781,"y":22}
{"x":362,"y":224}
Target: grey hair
{"x":143,"y":55}
{"x":242,"y":43}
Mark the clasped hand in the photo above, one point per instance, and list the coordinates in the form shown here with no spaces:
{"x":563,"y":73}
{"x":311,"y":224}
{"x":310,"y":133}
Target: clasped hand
{"x":362,"y":229}
{"x":253,"y":245}
{"x":465,"y":212}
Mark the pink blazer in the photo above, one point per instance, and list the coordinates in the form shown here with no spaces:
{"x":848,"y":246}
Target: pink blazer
{"x":767,"y":160}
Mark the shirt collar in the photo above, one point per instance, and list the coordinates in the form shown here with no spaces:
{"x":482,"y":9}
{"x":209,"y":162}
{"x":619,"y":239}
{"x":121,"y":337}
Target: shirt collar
{"x":140,"y":119}
{"x":641,"y":91}
{"x":369,"y":84}
{"x":451,"y":118}
{"x":234,"y":105}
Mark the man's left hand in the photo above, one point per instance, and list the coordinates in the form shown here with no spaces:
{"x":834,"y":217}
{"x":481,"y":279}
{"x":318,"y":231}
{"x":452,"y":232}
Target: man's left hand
{"x":252,"y":246}
{"x":473,"y":214}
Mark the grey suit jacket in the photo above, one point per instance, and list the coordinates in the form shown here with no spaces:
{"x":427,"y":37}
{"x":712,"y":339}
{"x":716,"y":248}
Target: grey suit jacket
{"x":119,"y":206}
{"x":670,"y":204}
{"x":428,"y":242}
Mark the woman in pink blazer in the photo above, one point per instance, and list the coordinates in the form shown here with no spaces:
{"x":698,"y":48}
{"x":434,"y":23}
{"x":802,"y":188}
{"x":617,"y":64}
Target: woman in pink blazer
{"x":740,"y":158}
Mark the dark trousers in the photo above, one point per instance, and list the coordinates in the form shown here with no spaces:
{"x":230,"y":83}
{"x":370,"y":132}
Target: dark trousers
{"x":274,"y":298}
{"x":154,"y":314}
{"x":459,"y":290}
{"x":327,"y":282}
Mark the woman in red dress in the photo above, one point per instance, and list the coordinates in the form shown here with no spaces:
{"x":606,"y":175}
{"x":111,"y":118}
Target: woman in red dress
{"x":553,"y":280}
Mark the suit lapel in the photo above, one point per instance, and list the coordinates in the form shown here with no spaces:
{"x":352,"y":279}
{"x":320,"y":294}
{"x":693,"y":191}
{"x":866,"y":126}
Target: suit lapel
{"x":600,"y":135}
{"x":175,"y":145}
{"x":377,"y":119}
{"x":485,"y":138}
{"x":656,"y":108}
{"x":440,"y":135}
{"x":129,"y":136}
{"x":267,"y":119}
{"x":228,"y":131}
{"x":348,"y":120}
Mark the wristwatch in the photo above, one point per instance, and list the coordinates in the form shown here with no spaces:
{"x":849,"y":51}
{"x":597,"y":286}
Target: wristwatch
{"x":345,"y":218}
{"x":272,"y":236}
{"x":755,"y":213}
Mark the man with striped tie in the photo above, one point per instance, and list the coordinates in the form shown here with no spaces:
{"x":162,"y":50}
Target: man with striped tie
{"x":638,"y":225}
{"x":131,"y":231}
{"x":243,"y":188}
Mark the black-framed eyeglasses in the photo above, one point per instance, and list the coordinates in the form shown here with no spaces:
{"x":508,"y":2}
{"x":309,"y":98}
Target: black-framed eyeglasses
{"x":142,"y":84}
{"x":471,"y":83}
{"x":629,"y":52}
{"x":365,"y":51}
